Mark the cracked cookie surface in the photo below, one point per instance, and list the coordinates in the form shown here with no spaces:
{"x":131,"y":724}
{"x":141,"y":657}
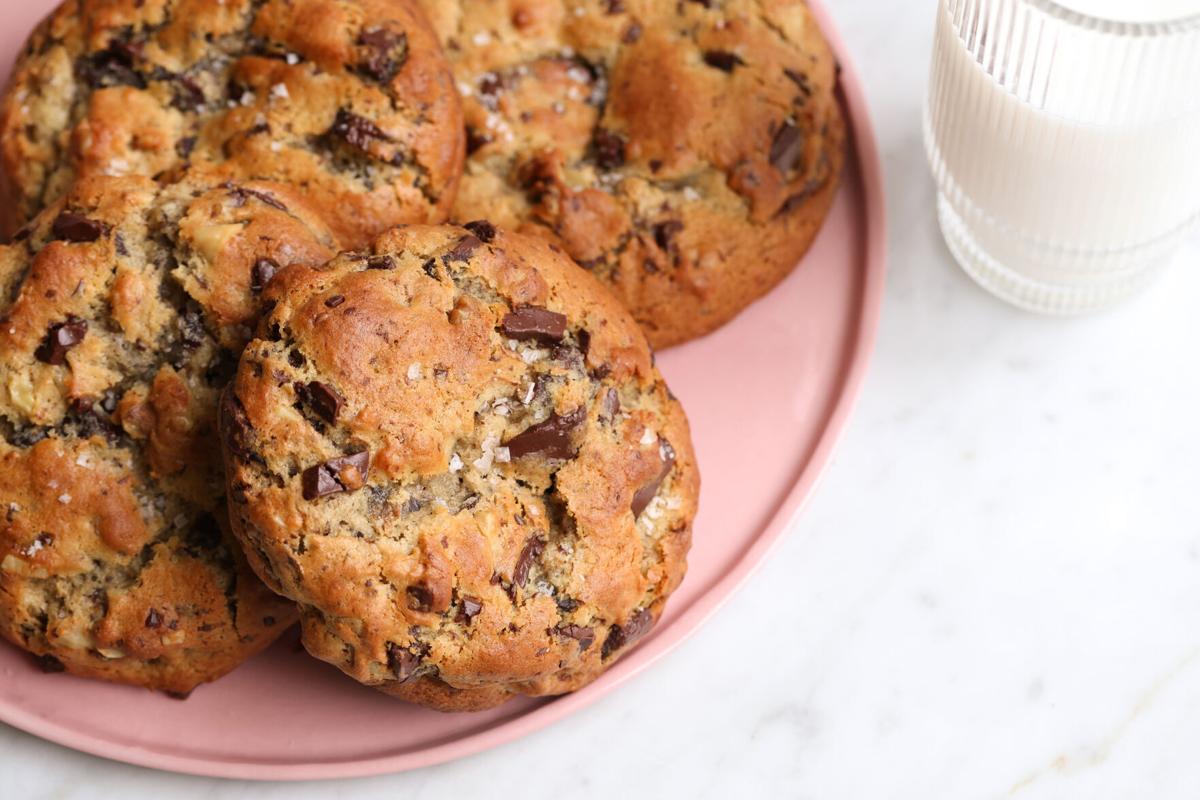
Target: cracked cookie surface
{"x":455,"y":453}
{"x":685,"y":152}
{"x":351,"y":100}
{"x":122,"y":311}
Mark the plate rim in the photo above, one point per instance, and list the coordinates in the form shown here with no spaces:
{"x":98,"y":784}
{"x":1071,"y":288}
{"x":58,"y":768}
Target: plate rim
{"x":870,"y":174}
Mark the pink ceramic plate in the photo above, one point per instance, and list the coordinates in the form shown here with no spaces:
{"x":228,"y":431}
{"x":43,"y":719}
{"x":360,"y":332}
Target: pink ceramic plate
{"x":767,"y":396}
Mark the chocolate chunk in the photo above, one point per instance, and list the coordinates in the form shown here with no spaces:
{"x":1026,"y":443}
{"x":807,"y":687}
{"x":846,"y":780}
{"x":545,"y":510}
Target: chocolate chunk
{"x":322,"y":398}
{"x":643,"y":496}
{"x":477,"y":139}
{"x":430,"y":268}
{"x":60,"y":338}
{"x":580,"y":633}
{"x":567,"y":604}
{"x":403,"y":662}
{"x":49,"y":664}
{"x":240,"y":194}
{"x":296,"y":358}
{"x":723,"y":60}
{"x":483,"y":230}
{"x":551,"y":438}
{"x":529,"y":553}
{"x":786,"y":148}
{"x":185,"y":146}
{"x":610,"y":149}
{"x":469,"y":609}
{"x":490,"y":85}
{"x":622,"y":636}
{"x":386,"y":54}
{"x":113,"y":66}
{"x":153,"y":619}
{"x":188,"y":96}
{"x":174,"y":695}
{"x":611,"y":403}
{"x":344,"y":474}
{"x":381,"y":262}
{"x":356,"y":131}
{"x":77,"y":228}
{"x":632,"y":33}
{"x":335,"y":301}
{"x":801,"y":81}
{"x":419,"y":598}
{"x":536,"y":323}
{"x":463,"y":250}
{"x":664,"y":233}
{"x":261,"y":273}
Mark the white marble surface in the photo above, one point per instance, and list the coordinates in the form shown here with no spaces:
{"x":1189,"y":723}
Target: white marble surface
{"x":995,"y":592}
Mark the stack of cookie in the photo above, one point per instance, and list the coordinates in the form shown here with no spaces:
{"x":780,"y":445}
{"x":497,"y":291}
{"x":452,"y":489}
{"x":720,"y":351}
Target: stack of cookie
{"x":446,"y":448}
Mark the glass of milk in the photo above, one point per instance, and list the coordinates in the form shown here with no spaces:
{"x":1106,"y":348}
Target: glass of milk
{"x":1064,"y":137}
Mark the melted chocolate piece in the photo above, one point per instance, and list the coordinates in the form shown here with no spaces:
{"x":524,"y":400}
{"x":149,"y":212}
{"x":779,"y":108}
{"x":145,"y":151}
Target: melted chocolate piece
{"x":77,"y":228}
{"x":344,"y":474}
{"x":322,"y":398}
{"x":786,"y":148}
{"x":419,"y":598}
{"x":381,"y":262}
{"x":335,"y":301}
{"x":622,"y":636}
{"x":239,"y":195}
{"x":386,"y":54}
{"x":402,"y":662}
{"x":643,"y":496}
{"x":469,"y":609}
{"x":261,"y":273}
{"x":60,"y":338}
{"x":462,"y":251}
{"x":551,"y":439}
{"x":580,"y":633}
{"x":153,"y":619}
{"x":356,"y":131}
{"x":610,"y":149}
{"x":529,"y":553}
{"x":112,"y":66}
{"x":664,"y":233}
{"x":188,"y":96}
{"x":483,"y":230}
{"x":723,"y":60}
{"x":534,"y":323}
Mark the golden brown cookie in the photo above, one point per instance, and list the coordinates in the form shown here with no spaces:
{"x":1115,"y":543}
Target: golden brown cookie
{"x":685,"y":152}
{"x":124,"y":307}
{"x":351,"y":100}
{"x":456,"y":455}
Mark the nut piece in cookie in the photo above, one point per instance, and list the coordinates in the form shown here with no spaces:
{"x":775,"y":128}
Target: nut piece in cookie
{"x":125,"y":306}
{"x":684,"y":152}
{"x":455,"y":454}
{"x":351,"y":99}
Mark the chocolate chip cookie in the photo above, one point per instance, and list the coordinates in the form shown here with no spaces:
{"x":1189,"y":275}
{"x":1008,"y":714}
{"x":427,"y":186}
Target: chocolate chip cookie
{"x":351,"y":100}
{"x":124,"y":306}
{"x":455,"y":454}
{"x":685,"y":152}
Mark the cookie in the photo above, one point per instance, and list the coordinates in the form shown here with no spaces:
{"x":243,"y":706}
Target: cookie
{"x":456,"y":455}
{"x":351,"y":100}
{"x":124,"y":306}
{"x":685,"y":152}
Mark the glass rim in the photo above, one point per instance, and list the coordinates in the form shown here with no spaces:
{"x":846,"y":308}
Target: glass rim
{"x":1188,"y":23}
